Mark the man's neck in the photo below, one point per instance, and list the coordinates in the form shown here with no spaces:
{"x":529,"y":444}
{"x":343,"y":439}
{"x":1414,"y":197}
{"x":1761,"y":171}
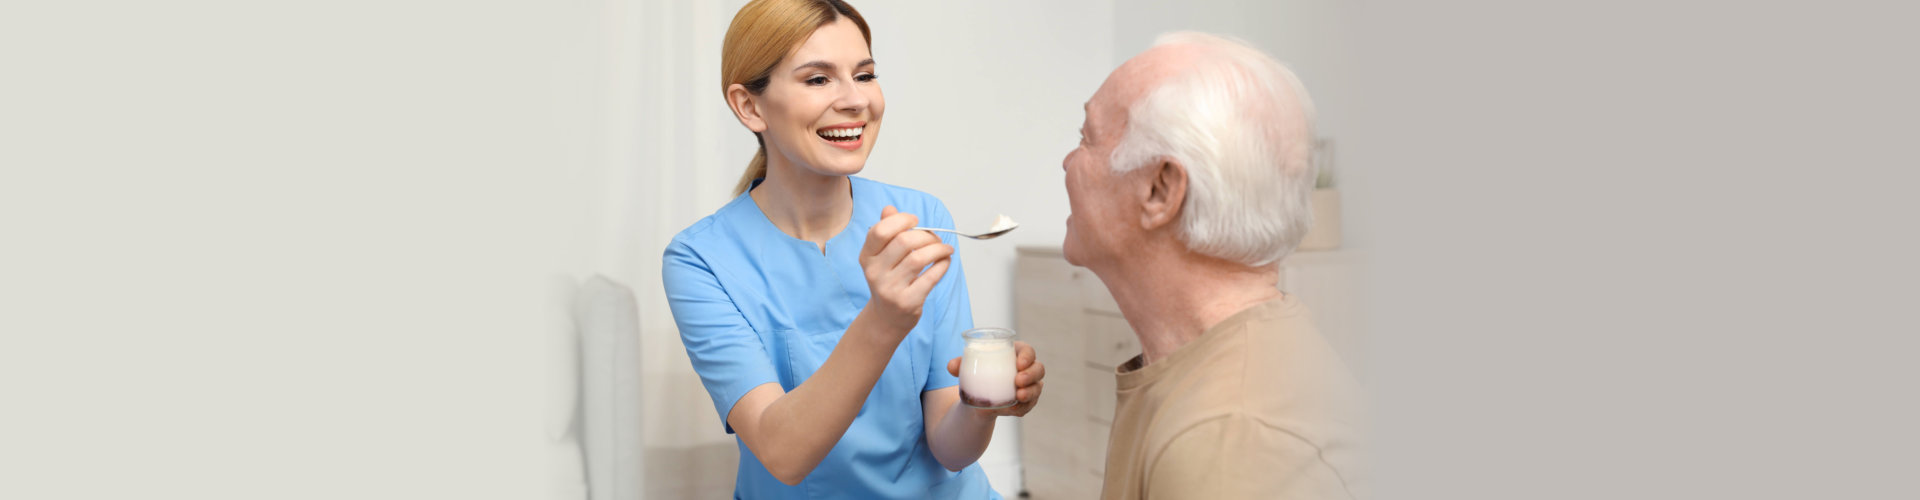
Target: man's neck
{"x":1173,"y":297}
{"x":805,"y":205}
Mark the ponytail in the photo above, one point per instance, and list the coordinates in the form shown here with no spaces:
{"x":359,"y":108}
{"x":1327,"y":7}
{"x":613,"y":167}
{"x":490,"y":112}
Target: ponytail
{"x":755,"y":170}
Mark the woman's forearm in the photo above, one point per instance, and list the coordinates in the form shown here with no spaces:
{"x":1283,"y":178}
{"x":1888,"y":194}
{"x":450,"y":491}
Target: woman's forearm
{"x":961,"y":435}
{"x":797,"y":430}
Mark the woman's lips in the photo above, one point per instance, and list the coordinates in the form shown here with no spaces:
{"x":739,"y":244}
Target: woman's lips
{"x":847,"y":137}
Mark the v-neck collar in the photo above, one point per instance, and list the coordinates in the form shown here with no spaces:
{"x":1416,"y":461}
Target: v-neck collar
{"x":853,"y":218}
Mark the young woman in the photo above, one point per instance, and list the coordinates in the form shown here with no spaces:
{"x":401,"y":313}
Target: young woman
{"x":826,"y":330}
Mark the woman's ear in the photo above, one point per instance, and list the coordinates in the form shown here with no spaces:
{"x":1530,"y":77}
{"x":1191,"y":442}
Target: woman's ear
{"x":746,"y":107}
{"x":1166,"y":193}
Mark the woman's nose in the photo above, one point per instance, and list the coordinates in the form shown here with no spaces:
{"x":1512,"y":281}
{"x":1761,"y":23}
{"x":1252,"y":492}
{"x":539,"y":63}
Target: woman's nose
{"x":852,"y":99}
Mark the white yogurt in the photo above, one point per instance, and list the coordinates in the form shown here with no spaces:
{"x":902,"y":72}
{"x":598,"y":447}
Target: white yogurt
{"x":986,"y":374}
{"x":1003,"y":222}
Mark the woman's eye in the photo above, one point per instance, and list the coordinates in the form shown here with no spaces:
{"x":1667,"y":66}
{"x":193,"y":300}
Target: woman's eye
{"x":818,"y":80}
{"x":866,"y":78}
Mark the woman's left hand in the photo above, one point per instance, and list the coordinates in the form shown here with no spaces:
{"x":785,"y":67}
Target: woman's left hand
{"x":1026,"y":383}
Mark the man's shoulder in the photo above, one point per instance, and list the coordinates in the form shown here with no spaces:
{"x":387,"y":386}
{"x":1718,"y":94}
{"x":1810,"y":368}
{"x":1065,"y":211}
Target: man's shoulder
{"x":1273,"y":371}
{"x":1232,"y":432}
{"x":1266,"y":394}
{"x":1256,"y":455}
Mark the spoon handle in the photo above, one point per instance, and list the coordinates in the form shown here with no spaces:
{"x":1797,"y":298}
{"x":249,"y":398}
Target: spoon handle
{"x":987,"y":236}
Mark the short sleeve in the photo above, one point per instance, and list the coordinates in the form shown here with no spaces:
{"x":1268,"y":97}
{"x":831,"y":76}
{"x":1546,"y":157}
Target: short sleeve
{"x":954,"y":314}
{"x":1237,"y":457}
{"x":725,"y":351}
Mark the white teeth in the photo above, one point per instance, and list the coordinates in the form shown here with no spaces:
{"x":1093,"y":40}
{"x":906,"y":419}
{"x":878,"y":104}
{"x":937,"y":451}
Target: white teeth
{"x":843,"y":132}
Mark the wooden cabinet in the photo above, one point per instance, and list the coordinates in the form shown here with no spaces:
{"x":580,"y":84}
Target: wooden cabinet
{"x":1063,"y":441}
{"x":1071,"y":320}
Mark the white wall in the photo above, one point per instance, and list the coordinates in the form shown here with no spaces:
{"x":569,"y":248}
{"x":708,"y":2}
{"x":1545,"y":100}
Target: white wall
{"x":1308,"y":35}
{"x":285,"y":250}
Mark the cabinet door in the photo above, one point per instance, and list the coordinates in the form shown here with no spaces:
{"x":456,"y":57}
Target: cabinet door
{"x":1048,"y":314}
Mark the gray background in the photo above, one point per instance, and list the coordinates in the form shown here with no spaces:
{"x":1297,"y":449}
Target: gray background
{"x":1640,"y":249}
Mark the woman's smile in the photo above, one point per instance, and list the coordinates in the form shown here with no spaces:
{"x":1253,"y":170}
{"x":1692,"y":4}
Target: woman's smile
{"x":844,"y":136}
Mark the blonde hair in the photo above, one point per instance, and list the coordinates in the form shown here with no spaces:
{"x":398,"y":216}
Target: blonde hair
{"x":762,"y":34}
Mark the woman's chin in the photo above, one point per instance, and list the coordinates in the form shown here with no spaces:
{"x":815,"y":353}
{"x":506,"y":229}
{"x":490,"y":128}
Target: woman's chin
{"x":835,"y":170}
{"x":843,"y":166}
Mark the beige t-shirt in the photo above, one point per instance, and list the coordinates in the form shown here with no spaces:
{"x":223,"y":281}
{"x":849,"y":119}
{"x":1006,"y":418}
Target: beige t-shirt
{"x":1259,"y":406}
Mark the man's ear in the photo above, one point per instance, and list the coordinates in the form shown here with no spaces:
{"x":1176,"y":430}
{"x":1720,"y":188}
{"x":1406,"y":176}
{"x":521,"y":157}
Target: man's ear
{"x":746,"y":107}
{"x":1166,"y":193}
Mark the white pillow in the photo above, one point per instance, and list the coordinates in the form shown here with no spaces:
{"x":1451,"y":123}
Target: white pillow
{"x":609,"y":324}
{"x":563,"y":363}
{"x":564,"y":461}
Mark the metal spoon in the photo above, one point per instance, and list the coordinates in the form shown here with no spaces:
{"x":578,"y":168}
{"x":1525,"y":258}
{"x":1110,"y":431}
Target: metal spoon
{"x":981,"y":236}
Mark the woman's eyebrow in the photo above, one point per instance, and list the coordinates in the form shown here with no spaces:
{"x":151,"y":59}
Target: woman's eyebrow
{"x":829,"y":67}
{"x":821,"y":65}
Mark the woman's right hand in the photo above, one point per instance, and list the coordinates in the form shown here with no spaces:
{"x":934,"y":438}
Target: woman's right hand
{"x":893,"y":258}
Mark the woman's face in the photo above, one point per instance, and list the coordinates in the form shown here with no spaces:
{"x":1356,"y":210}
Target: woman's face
{"x":822,"y":105}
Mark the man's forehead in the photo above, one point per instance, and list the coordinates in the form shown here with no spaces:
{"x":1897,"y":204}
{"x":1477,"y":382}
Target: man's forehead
{"x":1103,"y":115}
{"x":1141,"y":73}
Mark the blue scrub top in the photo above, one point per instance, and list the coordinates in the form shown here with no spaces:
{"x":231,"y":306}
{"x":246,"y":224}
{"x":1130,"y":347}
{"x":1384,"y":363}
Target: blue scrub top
{"x":755,"y":305}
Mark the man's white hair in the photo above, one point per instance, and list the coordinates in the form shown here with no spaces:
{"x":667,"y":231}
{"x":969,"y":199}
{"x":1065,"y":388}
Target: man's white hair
{"x":1242,"y":125}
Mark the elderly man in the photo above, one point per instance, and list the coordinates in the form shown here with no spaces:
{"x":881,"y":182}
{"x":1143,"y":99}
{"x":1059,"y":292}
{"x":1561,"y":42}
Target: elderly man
{"x":1189,"y":185}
